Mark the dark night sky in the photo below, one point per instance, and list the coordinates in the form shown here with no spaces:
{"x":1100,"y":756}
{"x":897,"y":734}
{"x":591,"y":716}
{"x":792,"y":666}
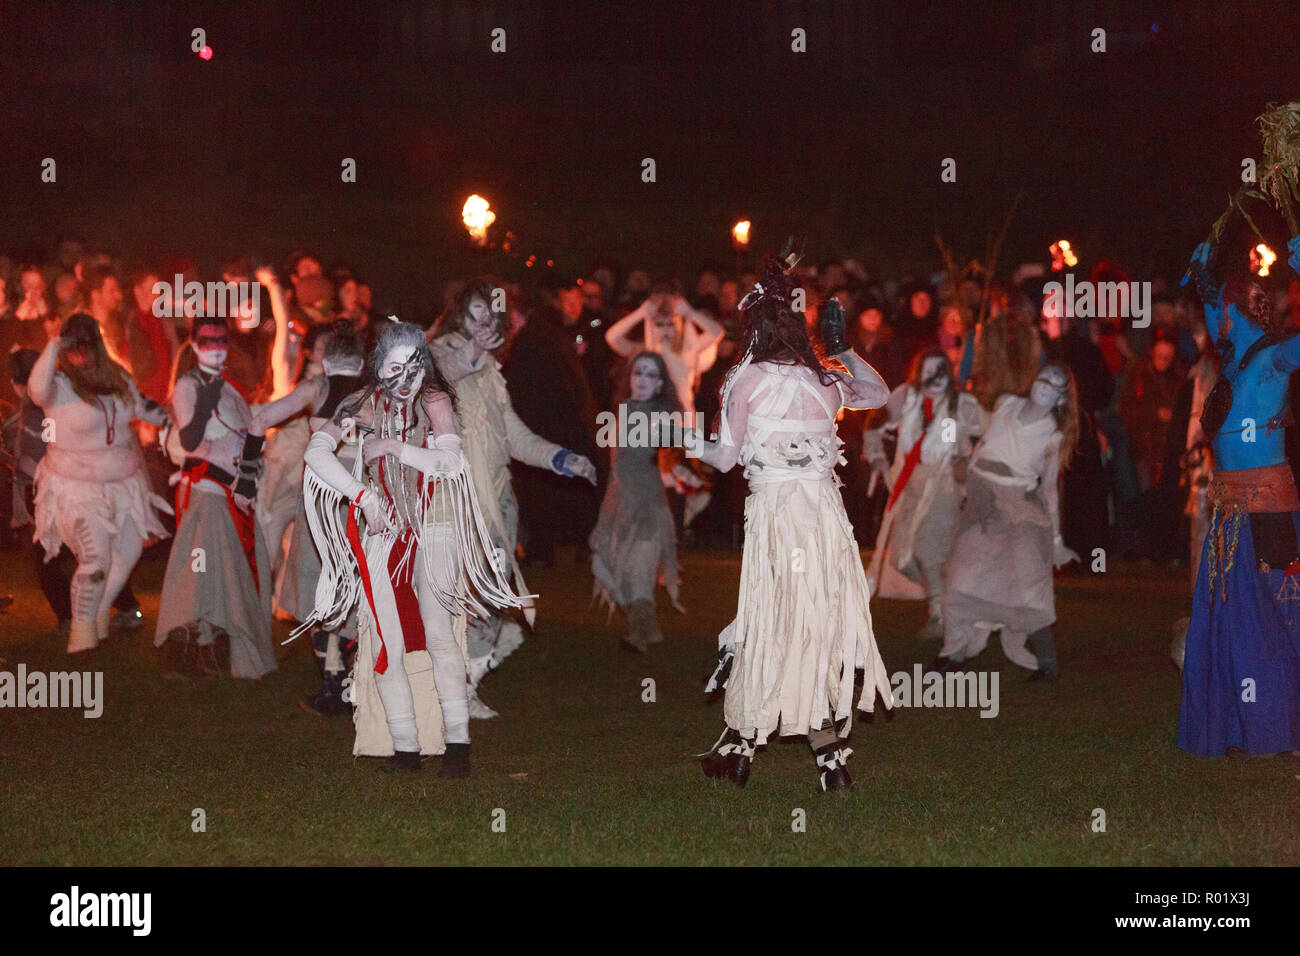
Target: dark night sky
{"x":1130,"y":153}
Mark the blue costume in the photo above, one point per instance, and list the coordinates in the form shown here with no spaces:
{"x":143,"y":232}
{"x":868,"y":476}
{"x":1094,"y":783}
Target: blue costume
{"x":1241,"y":675}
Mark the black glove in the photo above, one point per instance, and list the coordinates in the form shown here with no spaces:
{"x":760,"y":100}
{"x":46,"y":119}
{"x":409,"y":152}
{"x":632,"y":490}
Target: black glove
{"x":206,"y":397}
{"x":832,"y":326}
{"x":250,"y":459}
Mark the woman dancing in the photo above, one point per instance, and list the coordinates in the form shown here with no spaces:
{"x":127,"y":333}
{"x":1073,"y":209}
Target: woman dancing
{"x":633,"y":544}
{"x":1000,"y":571}
{"x":802,"y":619}
{"x":421,"y":562}
{"x":462,"y":342}
{"x":92,"y":489}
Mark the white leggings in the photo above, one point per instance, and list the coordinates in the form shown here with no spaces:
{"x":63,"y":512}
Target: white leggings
{"x":449,"y":670}
{"x":105,"y":558}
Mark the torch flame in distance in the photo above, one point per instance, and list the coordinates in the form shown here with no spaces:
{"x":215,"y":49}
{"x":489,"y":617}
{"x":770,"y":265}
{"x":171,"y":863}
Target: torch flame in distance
{"x":477,"y":216}
{"x":1261,"y":257}
{"x":1063,"y":255}
{"x":740,"y":233}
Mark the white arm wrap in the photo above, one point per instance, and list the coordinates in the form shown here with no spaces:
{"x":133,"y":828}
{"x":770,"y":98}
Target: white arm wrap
{"x":444,"y":458}
{"x":320,"y":457}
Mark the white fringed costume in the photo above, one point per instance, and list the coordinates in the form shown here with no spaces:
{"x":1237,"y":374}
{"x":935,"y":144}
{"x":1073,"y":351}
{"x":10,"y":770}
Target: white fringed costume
{"x":920,"y":518}
{"x":428,"y":575}
{"x":802,"y":619}
{"x":493,"y":435}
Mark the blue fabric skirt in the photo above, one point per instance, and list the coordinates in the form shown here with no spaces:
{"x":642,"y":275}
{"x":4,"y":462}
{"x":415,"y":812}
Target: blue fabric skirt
{"x":1241,"y":674}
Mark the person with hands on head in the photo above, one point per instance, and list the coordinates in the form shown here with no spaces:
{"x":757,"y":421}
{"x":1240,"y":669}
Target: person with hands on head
{"x":684,"y":336}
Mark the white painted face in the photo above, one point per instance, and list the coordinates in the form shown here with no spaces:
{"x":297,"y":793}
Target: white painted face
{"x":646,"y":380}
{"x":1049,"y":388}
{"x":402,"y":373}
{"x":934,"y":377}
{"x":479,"y":313}
{"x":210,"y":347}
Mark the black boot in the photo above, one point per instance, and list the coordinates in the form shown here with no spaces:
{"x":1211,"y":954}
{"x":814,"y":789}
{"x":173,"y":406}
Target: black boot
{"x":403,"y":761}
{"x":455,"y":762}
{"x":730,"y":758}
{"x":831,"y":762}
{"x":328,"y":702}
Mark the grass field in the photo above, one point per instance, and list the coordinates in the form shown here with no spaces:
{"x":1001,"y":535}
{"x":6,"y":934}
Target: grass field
{"x":587,"y":773}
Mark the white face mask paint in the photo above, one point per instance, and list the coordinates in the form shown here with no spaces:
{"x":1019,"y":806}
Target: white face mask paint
{"x":645,"y":381}
{"x":934,"y":373}
{"x":402,"y":374}
{"x":211,"y":360}
{"x":1048,"y":390}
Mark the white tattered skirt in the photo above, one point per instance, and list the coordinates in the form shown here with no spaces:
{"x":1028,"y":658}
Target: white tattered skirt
{"x":803,"y":620}
{"x":61,"y":502}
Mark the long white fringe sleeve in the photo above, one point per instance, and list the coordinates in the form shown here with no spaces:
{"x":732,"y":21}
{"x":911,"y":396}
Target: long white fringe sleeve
{"x":329,"y":470}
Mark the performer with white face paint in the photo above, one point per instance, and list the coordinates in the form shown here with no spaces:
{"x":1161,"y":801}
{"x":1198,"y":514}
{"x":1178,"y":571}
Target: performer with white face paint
{"x":462,"y":342}
{"x":92,"y":489}
{"x":215,"y":613}
{"x":634,"y":543}
{"x":414,"y":552}
{"x":1000,"y":572}
{"x":937,"y":427}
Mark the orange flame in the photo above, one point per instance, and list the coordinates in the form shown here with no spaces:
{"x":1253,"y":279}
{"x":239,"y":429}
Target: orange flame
{"x":1261,"y":257}
{"x":1063,"y":255}
{"x":477,"y":216}
{"x":740,"y":233}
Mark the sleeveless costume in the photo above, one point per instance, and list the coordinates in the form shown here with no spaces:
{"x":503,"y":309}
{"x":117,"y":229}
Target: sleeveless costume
{"x":226,"y":586}
{"x":802,"y":619}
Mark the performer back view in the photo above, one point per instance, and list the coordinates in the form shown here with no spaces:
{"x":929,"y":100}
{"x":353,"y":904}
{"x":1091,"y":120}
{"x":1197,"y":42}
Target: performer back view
{"x":802,"y":621}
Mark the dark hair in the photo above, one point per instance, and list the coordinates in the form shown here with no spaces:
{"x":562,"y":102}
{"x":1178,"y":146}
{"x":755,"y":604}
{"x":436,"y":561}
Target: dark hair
{"x":186,"y":358}
{"x":918,"y":363}
{"x":343,"y":341}
{"x":453,"y":317}
{"x":21,"y":363}
{"x":666,"y":401}
{"x":103,"y":376}
{"x":1255,"y":301}
{"x":773,"y":329}
{"x":96,"y":276}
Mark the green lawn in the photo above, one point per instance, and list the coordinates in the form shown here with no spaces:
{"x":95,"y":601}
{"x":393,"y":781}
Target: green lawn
{"x":588,"y":773}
